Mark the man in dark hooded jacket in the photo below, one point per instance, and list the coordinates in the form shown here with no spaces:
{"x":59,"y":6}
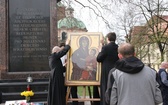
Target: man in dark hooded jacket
{"x":134,"y":83}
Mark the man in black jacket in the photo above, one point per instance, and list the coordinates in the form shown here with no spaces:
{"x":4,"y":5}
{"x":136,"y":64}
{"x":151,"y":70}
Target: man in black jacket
{"x":108,"y":55}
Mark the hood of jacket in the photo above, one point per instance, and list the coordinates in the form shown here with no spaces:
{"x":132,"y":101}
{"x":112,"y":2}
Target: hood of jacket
{"x":130,"y":65}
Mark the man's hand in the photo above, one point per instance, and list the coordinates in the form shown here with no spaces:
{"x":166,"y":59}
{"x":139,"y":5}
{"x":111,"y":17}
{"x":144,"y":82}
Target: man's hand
{"x":67,"y":42}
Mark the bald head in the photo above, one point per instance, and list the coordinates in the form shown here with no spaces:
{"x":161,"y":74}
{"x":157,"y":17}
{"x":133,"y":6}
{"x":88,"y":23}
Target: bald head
{"x":126,"y":50}
{"x":56,"y":49}
{"x":164,"y":65}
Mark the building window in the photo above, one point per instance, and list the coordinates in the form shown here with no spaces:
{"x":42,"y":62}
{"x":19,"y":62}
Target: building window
{"x":63,"y":36}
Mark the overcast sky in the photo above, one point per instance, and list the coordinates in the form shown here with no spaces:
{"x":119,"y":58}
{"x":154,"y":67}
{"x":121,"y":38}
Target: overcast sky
{"x":94,"y":23}
{"x":112,"y":14}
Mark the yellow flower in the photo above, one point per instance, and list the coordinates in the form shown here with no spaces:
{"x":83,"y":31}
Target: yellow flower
{"x":27,"y":93}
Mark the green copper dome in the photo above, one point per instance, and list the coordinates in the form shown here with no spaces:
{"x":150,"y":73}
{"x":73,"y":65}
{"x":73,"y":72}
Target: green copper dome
{"x":71,"y":22}
{"x":59,"y":4}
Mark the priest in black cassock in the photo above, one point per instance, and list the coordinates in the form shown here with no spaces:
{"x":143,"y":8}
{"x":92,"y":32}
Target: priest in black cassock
{"x":107,"y":56}
{"x":56,"y":89}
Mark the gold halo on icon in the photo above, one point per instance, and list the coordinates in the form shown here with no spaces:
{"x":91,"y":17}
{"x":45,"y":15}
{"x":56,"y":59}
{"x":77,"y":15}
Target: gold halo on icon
{"x":88,"y":37}
{"x":94,"y":49}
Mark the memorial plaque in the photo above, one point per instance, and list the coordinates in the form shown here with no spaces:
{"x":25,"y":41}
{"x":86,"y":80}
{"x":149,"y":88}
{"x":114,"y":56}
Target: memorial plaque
{"x":29,"y":35}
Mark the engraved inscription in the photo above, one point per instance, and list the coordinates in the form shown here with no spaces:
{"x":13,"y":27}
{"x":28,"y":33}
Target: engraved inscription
{"x":29,"y":35}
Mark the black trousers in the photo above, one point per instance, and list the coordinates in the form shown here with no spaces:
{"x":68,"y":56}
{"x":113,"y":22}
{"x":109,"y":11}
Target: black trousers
{"x":74,"y":94}
{"x":96,"y":95}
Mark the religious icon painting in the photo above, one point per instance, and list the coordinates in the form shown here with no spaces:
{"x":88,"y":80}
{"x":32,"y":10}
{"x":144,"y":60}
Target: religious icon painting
{"x":82,"y":67}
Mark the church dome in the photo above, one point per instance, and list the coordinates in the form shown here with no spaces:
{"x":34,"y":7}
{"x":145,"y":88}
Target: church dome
{"x":59,"y":4}
{"x":70,"y":22}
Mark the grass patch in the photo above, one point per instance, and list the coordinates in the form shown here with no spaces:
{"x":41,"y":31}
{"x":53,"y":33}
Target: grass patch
{"x":80,"y":90}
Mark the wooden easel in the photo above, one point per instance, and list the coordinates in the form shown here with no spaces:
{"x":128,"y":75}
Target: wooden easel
{"x":84,"y":98}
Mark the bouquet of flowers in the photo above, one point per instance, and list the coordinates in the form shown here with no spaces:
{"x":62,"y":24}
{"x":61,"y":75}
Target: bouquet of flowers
{"x":27,"y":94}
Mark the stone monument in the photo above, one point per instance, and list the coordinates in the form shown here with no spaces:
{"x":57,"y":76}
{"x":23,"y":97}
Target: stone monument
{"x":28,"y":32}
